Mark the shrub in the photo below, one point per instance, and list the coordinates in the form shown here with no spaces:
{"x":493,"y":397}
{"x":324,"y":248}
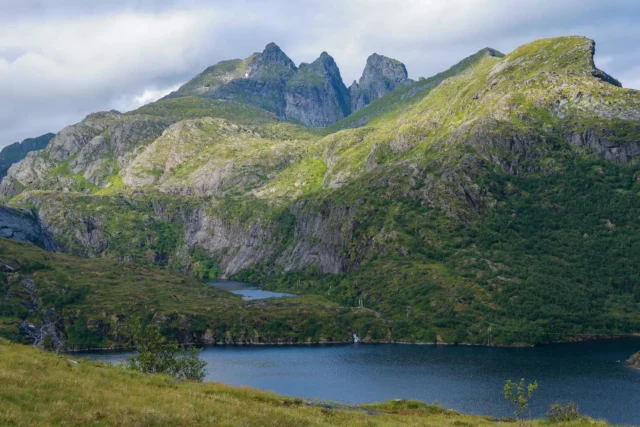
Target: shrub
{"x":158,"y":356}
{"x":558,"y":413}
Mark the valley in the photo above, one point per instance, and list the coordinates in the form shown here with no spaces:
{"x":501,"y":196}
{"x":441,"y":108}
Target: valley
{"x":494,"y":203}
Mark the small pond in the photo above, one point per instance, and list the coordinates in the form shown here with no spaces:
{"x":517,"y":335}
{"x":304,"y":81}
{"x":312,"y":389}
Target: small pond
{"x":248,"y":292}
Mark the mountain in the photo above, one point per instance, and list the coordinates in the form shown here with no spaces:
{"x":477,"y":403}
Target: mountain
{"x":18,"y":150}
{"x":313,"y":94}
{"x":495,"y":203}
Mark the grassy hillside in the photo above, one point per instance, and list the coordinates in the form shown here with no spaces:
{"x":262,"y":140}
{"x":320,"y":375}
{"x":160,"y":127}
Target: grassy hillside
{"x":402,"y":98}
{"x":49,"y":297}
{"x":39,"y":388}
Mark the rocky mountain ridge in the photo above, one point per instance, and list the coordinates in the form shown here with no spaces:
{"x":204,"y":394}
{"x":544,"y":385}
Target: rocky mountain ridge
{"x":312,"y":94}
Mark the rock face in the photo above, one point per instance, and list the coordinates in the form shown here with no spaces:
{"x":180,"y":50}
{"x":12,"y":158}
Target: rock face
{"x":381,"y":75}
{"x":316,"y":95}
{"x":17,"y":151}
{"x":93,"y":148}
{"x":619,"y":152}
{"x":23,"y":226}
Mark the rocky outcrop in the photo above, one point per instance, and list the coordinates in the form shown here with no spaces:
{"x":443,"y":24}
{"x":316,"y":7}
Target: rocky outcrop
{"x":321,"y":239}
{"x":316,"y":95}
{"x":381,"y":75}
{"x":605,"y":146}
{"x":49,"y":333}
{"x":93,"y":148}
{"x":238,"y":246}
{"x":17,"y":151}
{"x":73,"y":138}
{"x":23,"y":226}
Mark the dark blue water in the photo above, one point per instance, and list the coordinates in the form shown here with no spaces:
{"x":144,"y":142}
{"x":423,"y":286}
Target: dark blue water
{"x":248,"y":292}
{"x":467,"y":379}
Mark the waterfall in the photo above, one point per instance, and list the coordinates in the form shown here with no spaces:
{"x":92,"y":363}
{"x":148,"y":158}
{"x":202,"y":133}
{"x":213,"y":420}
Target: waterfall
{"x":355,"y":338}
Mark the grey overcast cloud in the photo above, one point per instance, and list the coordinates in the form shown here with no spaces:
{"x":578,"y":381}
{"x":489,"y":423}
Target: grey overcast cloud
{"x":63,"y":59}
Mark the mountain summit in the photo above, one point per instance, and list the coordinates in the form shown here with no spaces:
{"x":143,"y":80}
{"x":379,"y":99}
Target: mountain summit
{"x":312,"y":94}
{"x":381,"y":75}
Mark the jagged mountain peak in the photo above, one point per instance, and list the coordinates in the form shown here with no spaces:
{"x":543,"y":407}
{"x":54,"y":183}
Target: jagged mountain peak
{"x":272,"y":54}
{"x":272,"y":59}
{"x":326,"y":62}
{"x":380,"y":76}
{"x":389,"y":67}
{"x":316,"y":95}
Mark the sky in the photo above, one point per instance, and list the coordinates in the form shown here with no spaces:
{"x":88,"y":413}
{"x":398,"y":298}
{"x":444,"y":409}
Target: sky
{"x":63,"y":59}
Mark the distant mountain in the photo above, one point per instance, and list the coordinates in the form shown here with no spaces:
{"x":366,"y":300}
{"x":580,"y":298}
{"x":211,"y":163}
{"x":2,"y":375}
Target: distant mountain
{"x":18,"y":150}
{"x":312,"y":94}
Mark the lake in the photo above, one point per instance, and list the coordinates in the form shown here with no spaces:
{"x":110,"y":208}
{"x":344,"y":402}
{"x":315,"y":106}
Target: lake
{"x":247,"y":292}
{"x":468,"y":379}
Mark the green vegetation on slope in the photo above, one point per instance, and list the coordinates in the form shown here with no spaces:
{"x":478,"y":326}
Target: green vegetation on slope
{"x":501,"y":199}
{"x":467,"y":224}
{"x":39,"y":388}
{"x":97,"y":302}
{"x":191,"y":107}
{"x":392,"y":104}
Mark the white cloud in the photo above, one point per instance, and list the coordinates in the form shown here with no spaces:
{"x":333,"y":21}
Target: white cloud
{"x":71,"y":67}
{"x":62,"y":59}
{"x":145,"y":97}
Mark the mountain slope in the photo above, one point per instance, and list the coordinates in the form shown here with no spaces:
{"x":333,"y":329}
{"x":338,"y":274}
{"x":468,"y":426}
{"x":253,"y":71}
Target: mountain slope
{"x":502,"y":199}
{"x":408,"y":93}
{"x":59,"y":301}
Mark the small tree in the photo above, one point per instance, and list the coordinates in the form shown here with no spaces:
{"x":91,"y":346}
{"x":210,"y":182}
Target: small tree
{"x":156,"y":355}
{"x":519,"y":395}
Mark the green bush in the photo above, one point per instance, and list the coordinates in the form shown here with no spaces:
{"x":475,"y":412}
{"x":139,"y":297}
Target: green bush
{"x":558,"y":413}
{"x":80,"y":335}
{"x":158,"y":356}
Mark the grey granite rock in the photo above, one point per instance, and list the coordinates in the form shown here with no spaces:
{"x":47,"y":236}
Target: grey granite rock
{"x":23,"y":226}
{"x":316,"y":95}
{"x":381,"y":75}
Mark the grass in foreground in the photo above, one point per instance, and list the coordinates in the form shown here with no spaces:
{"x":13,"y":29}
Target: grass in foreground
{"x":40,"y":388}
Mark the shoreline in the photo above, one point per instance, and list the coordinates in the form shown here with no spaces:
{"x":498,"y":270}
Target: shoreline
{"x":322,"y":343}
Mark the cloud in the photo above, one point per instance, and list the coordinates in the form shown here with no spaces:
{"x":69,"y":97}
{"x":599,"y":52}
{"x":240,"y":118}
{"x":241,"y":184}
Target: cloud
{"x":70,"y":67}
{"x":63,"y":59}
